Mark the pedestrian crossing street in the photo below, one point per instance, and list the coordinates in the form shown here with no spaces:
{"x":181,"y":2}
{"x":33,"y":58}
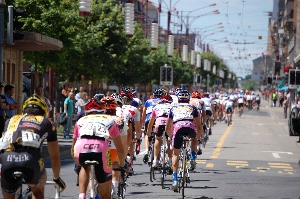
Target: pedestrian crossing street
{"x":251,"y":166}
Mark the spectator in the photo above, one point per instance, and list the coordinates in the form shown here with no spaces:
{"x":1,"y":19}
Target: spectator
{"x":65,"y":93}
{"x":81,"y":105}
{"x":285,"y":106}
{"x":9,"y":91}
{"x":108,"y":94}
{"x":77,"y":96}
{"x":41,"y":93}
{"x":147,"y":96}
{"x":274,"y":98}
{"x":3,"y":106}
{"x":69,"y":110}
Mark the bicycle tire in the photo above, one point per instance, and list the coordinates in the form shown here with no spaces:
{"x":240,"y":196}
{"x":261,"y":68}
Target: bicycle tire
{"x":122,"y":187}
{"x":27,"y":194}
{"x":183,"y":182}
{"x":151,"y":155}
{"x":163,"y":163}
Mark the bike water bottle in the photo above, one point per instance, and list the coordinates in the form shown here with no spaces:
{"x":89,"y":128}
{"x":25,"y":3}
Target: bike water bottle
{"x":97,"y":196}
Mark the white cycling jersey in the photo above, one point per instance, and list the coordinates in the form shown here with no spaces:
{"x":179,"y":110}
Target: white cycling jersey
{"x":207,"y":101}
{"x":136,"y":115}
{"x":95,"y":125}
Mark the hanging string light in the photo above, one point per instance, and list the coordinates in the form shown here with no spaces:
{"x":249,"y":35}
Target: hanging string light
{"x":129,"y":19}
{"x":171,"y":45}
{"x":154,"y":36}
{"x":198,"y":63}
{"x":85,"y":7}
{"x":184,"y":53}
{"x":192,"y":57}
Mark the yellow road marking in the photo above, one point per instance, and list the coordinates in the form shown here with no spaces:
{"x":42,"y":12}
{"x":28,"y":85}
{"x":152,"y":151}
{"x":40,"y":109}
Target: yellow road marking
{"x":217,"y":151}
{"x":237,"y":161}
{"x":290,"y":172}
{"x":255,"y":133}
{"x":279,"y":171}
{"x":262,"y":168}
{"x":277,"y":165}
{"x":210,"y":165}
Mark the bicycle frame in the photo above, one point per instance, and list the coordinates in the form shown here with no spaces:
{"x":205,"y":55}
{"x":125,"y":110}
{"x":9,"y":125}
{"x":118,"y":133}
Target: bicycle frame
{"x":122,"y":183}
{"x":27,"y":193}
{"x":92,"y":176}
{"x":184,"y":176}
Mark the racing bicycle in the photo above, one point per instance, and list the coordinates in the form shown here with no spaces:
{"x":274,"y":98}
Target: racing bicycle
{"x":122,"y":184}
{"x":183,"y":172}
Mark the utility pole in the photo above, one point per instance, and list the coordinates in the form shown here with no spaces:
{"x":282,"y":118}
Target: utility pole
{"x":2,"y":4}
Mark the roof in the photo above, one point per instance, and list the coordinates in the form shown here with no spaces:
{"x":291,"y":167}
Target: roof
{"x":35,"y":42}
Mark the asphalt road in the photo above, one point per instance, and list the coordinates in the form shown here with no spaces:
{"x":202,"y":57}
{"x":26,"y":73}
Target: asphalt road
{"x":253,"y":158}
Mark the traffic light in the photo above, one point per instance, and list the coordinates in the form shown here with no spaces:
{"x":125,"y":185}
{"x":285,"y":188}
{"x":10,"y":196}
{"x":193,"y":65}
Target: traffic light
{"x":198,"y":79}
{"x":294,"y":78}
{"x":163,"y":75}
{"x":169,"y":74}
{"x":269,"y":80}
{"x":13,"y":24}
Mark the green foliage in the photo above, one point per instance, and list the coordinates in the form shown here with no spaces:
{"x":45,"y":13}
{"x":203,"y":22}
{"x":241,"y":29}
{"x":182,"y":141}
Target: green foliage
{"x":249,"y":85}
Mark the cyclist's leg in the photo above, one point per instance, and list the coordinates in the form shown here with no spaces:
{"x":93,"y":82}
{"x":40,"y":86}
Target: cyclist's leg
{"x":84,"y":179}
{"x":115,"y":174}
{"x":157,"y":146}
{"x":147,"y":143}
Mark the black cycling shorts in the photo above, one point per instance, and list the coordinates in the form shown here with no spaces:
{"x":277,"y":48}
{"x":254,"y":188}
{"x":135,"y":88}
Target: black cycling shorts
{"x":29,"y":162}
{"x":161,"y":130}
{"x":178,"y":138}
{"x":100,"y":174}
{"x":241,"y":105}
{"x":229,"y":110}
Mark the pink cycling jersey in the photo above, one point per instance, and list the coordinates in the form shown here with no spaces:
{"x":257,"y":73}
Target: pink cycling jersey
{"x":102,"y":126}
{"x":160,"y":113}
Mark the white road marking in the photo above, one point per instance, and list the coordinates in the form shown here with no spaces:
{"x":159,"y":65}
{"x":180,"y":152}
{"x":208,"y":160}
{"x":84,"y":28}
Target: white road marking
{"x":276,"y":153}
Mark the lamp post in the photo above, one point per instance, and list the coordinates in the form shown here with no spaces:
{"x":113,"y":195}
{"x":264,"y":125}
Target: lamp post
{"x":2,"y":4}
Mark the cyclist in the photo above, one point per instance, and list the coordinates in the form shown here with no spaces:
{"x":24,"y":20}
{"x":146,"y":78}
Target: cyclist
{"x":147,"y":110}
{"x":21,"y":147}
{"x":229,"y":107}
{"x":182,"y":118}
{"x":111,"y":106}
{"x":136,"y":124}
{"x":210,"y":111}
{"x":240,"y":103}
{"x":90,"y":142}
{"x":257,"y":100}
{"x":159,"y":115}
{"x":199,"y":104}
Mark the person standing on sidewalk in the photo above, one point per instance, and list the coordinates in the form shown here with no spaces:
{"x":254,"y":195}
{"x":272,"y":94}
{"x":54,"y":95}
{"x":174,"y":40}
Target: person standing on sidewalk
{"x":3,"y":106}
{"x":9,"y":91}
{"x":69,"y":110}
{"x":285,"y":106}
{"x":274,"y":98}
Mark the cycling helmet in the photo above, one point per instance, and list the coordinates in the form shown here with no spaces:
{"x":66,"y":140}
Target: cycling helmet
{"x":94,"y":106}
{"x":109,"y":103}
{"x":183,"y":96}
{"x":134,"y":93}
{"x":196,"y":94}
{"x":99,"y":96}
{"x":125,"y":89}
{"x":118,"y":98}
{"x":36,"y":102}
{"x":158,"y":93}
{"x":206,"y":94}
{"x":126,"y":94}
{"x":167,"y":98}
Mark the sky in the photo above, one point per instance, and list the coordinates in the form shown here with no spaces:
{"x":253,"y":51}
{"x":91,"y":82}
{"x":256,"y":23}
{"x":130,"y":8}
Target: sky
{"x":236,"y":40}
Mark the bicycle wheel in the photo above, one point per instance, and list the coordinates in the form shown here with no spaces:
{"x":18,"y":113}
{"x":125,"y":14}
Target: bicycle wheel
{"x":27,"y":194}
{"x":228,"y":119}
{"x":163,"y":162}
{"x":183,"y":181}
{"x":151,"y":156}
{"x":122,"y":187}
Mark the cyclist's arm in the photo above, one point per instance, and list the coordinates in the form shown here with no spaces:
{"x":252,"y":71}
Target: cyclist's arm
{"x":53,"y":150}
{"x":120,"y":149}
{"x":169,"y":125}
{"x":150,"y":124}
{"x":143,"y":115}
